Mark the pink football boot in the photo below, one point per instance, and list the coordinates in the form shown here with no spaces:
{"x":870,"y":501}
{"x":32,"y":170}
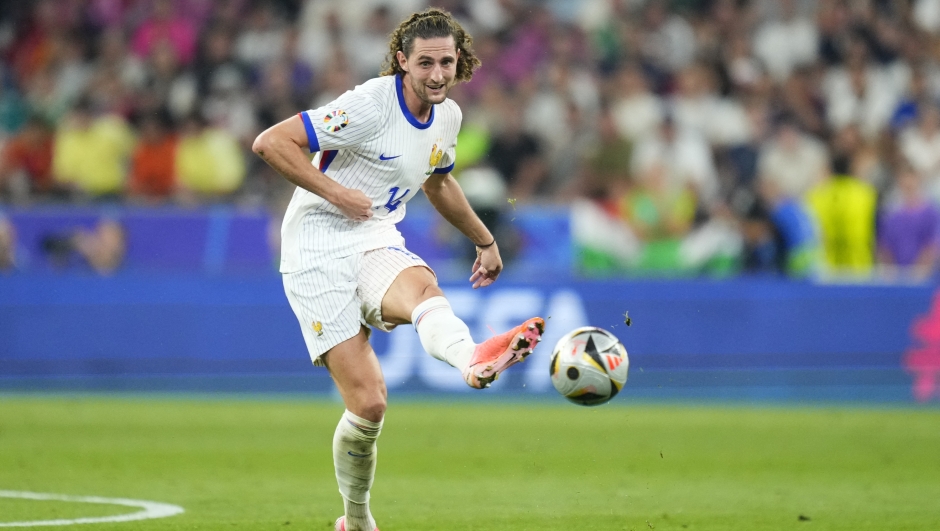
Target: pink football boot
{"x":498,"y":353}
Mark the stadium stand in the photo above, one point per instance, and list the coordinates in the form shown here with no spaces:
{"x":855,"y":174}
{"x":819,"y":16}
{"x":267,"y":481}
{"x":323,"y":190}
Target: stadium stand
{"x":668,"y":124}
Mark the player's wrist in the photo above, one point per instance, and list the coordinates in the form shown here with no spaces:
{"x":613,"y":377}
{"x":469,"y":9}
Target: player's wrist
{"x":331,"y":193}
{"x":337,"y":194}
{"x":486,"y":246}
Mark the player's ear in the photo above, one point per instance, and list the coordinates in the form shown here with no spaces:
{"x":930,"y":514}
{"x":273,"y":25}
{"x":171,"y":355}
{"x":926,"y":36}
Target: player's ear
{"x":402,"y":60}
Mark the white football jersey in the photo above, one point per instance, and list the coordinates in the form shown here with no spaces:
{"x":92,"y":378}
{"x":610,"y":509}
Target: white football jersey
{"x":368,"y":140}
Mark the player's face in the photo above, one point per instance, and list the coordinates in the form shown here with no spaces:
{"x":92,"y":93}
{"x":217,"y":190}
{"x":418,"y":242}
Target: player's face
{"x":431,"y":68}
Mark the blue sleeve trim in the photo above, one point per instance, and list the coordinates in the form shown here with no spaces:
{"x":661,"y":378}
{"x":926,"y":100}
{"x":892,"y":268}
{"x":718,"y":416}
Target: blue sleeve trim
{"x":311,"y":134}
{"x":445,"y":170}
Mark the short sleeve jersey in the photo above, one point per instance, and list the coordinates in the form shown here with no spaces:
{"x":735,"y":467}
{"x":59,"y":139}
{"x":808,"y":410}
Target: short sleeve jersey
{"x":368,"y":140}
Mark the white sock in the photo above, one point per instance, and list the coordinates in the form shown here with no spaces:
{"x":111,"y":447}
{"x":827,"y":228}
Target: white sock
{"x":354,"y":455}
{"x":358,"y":517}
{"x":443,"y":335}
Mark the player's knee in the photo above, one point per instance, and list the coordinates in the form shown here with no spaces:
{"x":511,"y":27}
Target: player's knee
{"x":431,"y":290}
{"x":374,"y":402}
{"x":374,"y":408}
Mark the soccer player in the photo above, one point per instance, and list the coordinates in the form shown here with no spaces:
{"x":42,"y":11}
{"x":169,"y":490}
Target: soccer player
{"x":345,"y":265}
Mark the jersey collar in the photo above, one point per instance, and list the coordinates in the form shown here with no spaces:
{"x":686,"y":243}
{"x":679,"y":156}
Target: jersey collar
{"x":404,"y":108}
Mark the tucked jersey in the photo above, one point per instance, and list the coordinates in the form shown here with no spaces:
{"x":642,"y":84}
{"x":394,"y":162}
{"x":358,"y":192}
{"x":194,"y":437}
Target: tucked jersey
{"x":367,"y":140}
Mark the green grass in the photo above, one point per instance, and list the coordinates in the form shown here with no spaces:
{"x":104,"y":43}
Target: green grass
{"x":266,"y":465}
{"x":15,"y":510}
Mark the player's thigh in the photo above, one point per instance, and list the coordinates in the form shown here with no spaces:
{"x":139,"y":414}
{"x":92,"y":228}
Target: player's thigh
{"x":392,"y":281}
{"x":410,"y":288}
{"x":358,"y":376}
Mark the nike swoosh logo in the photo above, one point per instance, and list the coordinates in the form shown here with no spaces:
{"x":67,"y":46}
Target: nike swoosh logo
{"x":383,"y":157}
{"x":358,"y":455}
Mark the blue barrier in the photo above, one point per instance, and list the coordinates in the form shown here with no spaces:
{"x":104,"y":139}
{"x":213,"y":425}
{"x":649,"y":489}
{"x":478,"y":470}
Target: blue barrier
{"x":226,"y":239}
{"x":745,"y":338}
{"x":158,"y":239}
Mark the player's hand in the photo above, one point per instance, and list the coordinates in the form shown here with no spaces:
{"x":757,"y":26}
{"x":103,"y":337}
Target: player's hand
{"x":486,"y":267}
{"x":354,"y":204}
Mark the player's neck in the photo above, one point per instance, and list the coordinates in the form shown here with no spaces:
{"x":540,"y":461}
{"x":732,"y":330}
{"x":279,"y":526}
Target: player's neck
{"x":420,"y":109}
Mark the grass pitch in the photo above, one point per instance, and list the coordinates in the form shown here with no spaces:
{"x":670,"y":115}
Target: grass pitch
{"x":467,"y":465}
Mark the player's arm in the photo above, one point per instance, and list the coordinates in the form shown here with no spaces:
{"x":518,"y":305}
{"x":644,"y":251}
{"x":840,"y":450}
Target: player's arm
{"x":447,"y":198}
{"x":283,"y":147}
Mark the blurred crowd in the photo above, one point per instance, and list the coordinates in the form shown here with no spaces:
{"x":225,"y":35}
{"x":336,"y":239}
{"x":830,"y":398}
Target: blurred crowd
{"x":782,"y":137}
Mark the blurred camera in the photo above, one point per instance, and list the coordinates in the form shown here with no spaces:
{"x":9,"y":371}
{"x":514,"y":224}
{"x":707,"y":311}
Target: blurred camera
{"x":58,"y":248}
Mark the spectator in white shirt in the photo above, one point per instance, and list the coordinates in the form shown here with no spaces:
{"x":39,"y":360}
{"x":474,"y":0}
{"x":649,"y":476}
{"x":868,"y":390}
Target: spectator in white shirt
{"x":864,"y":95}
{"x":786,"y":43}
{"x":637,"y":112}
{"x":670,"y":41}
{"x":920,"y":146}
{"x":684,"y":156}
{"x":791,"y":163}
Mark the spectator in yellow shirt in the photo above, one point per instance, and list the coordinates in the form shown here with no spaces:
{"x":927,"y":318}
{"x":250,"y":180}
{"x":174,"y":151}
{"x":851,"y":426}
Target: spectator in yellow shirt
{"x":844,"y":209}
{"x":209,"y":160}
{"x":90,"y":154}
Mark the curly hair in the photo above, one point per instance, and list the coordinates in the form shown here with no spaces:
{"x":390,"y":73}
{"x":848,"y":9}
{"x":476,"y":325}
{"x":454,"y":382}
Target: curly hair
{"x":429,"y":24}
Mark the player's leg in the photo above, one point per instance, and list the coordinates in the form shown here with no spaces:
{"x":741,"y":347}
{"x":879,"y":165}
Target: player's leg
{"x":358,"y":377}
{"x":413,"y":296}
{"x":329,"y":311}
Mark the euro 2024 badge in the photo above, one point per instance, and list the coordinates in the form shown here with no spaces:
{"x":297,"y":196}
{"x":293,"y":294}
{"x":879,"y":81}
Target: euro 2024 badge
{"x":335,"y":120}
{"x":436,"y":155}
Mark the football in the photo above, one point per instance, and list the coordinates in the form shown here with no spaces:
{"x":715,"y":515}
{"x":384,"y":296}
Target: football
{"x":589,"y":366}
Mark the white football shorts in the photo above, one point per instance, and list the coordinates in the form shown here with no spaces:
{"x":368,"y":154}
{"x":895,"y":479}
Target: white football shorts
{"x":332,"y":301}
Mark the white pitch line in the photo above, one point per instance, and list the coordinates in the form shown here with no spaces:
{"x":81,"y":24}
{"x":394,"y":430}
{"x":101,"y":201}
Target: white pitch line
{"x":150,"y":509}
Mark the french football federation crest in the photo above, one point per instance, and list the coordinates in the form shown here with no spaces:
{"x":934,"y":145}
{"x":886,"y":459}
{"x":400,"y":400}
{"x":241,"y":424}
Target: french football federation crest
{"x":335,"y":120}
{"x":436,"y":155}
{"x":318,"y":328}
